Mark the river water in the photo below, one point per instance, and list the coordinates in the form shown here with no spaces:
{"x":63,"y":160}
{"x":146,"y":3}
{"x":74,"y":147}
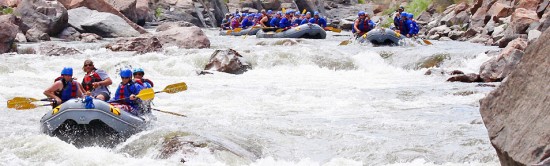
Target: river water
{"x":312,"y":103}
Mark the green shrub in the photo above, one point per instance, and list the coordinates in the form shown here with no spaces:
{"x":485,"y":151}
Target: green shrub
{"x":7,"y":10}
{"x":418,"y":6}
{"x":361,"y":1}
{"x":158,"y":12}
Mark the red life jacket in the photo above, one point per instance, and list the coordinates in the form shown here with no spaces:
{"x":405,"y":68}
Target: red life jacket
{"x":68,"y":91}
{"x":89,"y":79}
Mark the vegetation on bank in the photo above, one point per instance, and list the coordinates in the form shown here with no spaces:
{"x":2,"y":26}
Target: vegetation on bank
{"x":7,"y":10}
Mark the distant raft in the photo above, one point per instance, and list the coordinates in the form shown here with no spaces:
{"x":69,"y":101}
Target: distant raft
{"x":382,"y":36}
{"x":249,"y":31}
{"x":308,"y":31}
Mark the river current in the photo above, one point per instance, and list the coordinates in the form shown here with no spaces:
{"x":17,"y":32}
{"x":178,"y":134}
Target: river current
{"x":311,"y":103}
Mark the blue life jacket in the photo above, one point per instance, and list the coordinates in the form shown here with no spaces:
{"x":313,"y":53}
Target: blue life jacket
{"x":396,"y":21}
{"x":415,"y":28}
{"x":68,"y":91}
{"x":274,"y":22}
{"x":297,"y":22}
{"x":284,"y":23}
{"x":403,"y":27}
{"x":246,"y":23}
{"x":304,"y":21}
{"x":364,"y":25}
{"x":124,"y":91}
{"x":320,"y":21}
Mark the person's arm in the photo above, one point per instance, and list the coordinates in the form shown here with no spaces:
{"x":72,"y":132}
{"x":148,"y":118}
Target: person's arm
{"x":79,"y":91}
{"x":50,"y":92}
{"x":355,"y":26}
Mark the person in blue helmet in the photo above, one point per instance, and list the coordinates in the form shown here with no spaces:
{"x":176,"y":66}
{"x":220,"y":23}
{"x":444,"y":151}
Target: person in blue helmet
{"x":362,"y":24}
{"x":248,"y":21}
{"x":276,"y":20}
{"x":404,"y":24}
{"x":413,"y":26}
{"x":397,"y":17}
{"x":266,"y":18}
{"x":318,"y":20}
{"x":138,"y":78}
{"x":285,"y":21}
{"x":125,"y":96}
{"x":236,"y":22}
{"x":226,"y":22}
{"x":297,"y":19}
{"x":64,"y":88}
{"x":306,"y":19}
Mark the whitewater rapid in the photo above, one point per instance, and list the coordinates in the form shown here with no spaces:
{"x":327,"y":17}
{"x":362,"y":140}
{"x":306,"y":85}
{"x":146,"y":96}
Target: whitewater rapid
{"x":312,"y":103}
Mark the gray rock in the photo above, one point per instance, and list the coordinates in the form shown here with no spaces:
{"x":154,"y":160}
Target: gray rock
{"x":35,"y":35}
{"x":103,"y":24}
{"x":497,"y":68}
{"x":139,"y":44}
{"x":471,"y":77}
{"x":498,"y":32}
{"x":126,"y":7}
{"x":43,"y":15}
{"x":8,"y":33}
{"x":533,"y":34}
{"x":20,"y":37}
{"x":168,"y":25}
{"x":184,"y":37}
{"x":228,"y":61}
{"x":454,"y":35}
{"x":51,"y":49}
{"x":90,"y":37}
{"x":69,"y":34}
{"x":516,"y":113}
{"x":445,"y":39}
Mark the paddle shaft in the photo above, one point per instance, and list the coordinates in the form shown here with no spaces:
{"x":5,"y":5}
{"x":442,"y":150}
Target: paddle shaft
{"x":168,"y":112}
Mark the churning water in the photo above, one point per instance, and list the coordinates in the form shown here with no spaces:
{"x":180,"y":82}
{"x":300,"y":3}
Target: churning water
{"x":305,"y":102}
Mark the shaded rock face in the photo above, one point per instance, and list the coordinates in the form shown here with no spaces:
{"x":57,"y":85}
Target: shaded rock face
{"x":101,"y":23}
{"x":8,"y":33}
{"x":47,"y":16}
{"x":497,"y":68}
{"x":140,"y":44}
{"x":101,"y":6}
{"x":90,"y":37}
{"x":471,"y":77}
{"x":51,"y":49}
{"x":516,"y":114}
{"x":184,"y":37}
{"x":228,"y":61}
{"x":126,"y":7}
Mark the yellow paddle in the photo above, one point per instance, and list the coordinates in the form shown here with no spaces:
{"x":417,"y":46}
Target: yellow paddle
{"x":148,"y":94}
{"x":333,"y":29}
{"x":236,"y":30}
{"x":18,"y":101}
{"x":304,"y":11}
{"x":29,"y":106}
{"x":246,"y":35}
{"x":427,"y":42}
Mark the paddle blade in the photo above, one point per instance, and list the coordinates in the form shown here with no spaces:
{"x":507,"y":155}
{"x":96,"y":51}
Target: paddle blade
{"x":228,"y":32}
{"x":345,"y":42}
{"x":336,"y":30}
{"x":304,"y":11}
{"x":146,"y":94}
{"x":427,"y":42}
{"x":175,"y":88}
{"x":237,"y":30}
{"x":29,"y":106}
{"x":13,"y":103}
{"x":279,"y":30}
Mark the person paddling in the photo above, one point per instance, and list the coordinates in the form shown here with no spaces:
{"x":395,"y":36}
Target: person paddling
{"x":95,"y":82}
{"x":138,"y":78}
{"x":318,"y":20}
{"x":64,"y":88}
{"x":285,"y":23}
{"x":125,"y":96}
{"x":362,"y":24}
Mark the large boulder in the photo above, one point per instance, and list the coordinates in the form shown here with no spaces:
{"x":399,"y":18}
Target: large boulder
{"x":10,"y":3}
{"x":101,"y":23}
{"x":228,"y":61}
{"x":271,"y":4}
{"x":69,"y":34}
{"x":48,"y":16}
{"x":516,"y":114}
{"x":529,"y":4}
{"x":499,"y":10}
{"x":497,"y":68}
{"x":184,"y":37}
{"x":139,"y":44}
{"x":101,"y":6}
{"x":51,"y":49}
{"x":311,"y":5}
{"x":143,"y":12}
{"x":126,"y":7}
{"x":521,"y":20}
{"x":8,"y":33}
{"x":169,"y":25}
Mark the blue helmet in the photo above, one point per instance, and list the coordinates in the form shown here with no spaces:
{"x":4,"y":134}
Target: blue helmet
{"x":403,"y":14}
{"x":269,"y":12}
{"x":297,"y":13}
{"x":315,"y":13}
{"x":137,"y":70}
{"x":308,"y":13}
{"x":279,"y":12}
{"x":67,"y":71}
{"x":361,"y":13}
{"x":125,"y":73}
{"x":410,"y":15}
{"x":289,"y":12}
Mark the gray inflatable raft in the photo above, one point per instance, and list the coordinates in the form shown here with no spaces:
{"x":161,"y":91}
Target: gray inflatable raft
{"x":382,"y":36}
{"x":308,"y":31}
{"x":104,"y":125}
{"x":249,"y":31}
